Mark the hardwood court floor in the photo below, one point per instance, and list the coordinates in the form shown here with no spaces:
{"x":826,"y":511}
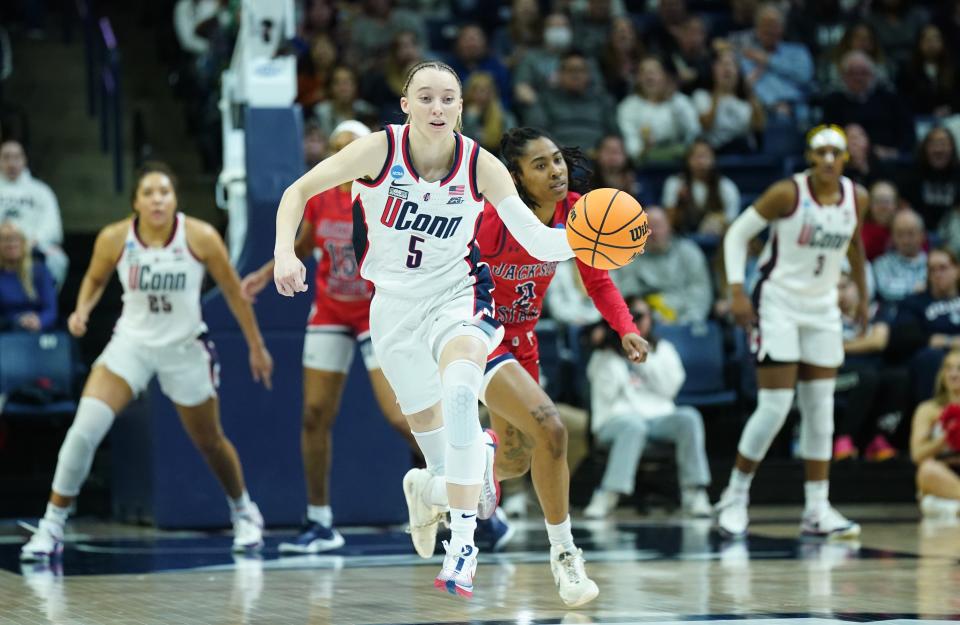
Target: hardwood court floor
{"x":653,"y":569}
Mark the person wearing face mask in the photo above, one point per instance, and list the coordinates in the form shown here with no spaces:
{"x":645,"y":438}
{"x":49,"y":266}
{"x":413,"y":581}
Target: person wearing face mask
{"x":540,"y":67}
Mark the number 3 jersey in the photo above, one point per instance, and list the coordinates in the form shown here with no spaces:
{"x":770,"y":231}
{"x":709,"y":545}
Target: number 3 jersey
{"x":161,"y":289}
{"x":416,"y":238}
{"x":804,"y":254}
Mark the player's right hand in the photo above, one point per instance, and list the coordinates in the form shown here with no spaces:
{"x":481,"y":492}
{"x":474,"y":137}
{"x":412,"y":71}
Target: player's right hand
{"x":742,"y":310}
{"x":252,"y":284}
{"x":77,"y":324}
{"x":289,"y":274}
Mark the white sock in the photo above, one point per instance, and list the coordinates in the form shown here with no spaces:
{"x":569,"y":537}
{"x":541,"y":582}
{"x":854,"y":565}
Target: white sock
{"x":740,"y":481}
{"x":816,"y":494}
{"x":462,"y":525}
{"x":435,"y":494}
{"x":56,"y":514}
{"x":560,"y":534}
{"x":240,"y":503}
{"x":433,"y":446}
{"x":320,"y":514}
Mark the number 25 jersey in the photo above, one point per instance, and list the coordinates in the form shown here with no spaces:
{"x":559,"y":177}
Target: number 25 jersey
{"x":412,"y":237}
{"x":161,"y":289}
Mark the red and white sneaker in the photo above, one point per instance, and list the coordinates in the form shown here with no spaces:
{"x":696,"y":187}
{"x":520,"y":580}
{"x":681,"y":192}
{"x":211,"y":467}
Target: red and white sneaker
{"x":459,"y":568}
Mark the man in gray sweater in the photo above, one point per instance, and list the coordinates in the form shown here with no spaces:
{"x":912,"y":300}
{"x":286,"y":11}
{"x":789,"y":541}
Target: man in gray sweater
{"x":672,"y":274}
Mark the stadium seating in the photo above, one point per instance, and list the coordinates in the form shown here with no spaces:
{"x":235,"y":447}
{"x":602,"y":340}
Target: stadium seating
{"x":701,"y":349}
{"x":37,"y":373}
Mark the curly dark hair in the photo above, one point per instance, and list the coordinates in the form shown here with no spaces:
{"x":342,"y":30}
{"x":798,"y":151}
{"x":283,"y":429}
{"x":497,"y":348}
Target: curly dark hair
{"x":514,"y":143}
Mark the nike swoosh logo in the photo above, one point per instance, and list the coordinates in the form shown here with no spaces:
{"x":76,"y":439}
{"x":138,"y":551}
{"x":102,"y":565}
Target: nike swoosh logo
{"x":467,"y":516}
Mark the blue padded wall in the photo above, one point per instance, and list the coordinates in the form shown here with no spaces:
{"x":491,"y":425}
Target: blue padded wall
{"x":369,"y":458}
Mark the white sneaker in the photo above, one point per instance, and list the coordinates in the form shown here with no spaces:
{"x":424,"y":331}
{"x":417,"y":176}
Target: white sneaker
{"x":459,"y":568}
{"x":826,"y":522}
{"x":695,"y":503}
{"x":46,"y":542}
{"x":515,"y":505}
{"x":424,"y":518}
{"x":939,"y":508}
{"x":247,"y":528}
{"x":570,"y":576}
{"x":490,"y":493}
{"x":601,"y":504}
{"x":732,"y":517}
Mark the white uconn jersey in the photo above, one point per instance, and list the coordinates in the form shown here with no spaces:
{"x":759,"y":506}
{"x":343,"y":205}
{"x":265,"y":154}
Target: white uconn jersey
{"x":161,"y":290}
{"x":805,"y":251}
{"x":413,"y":237}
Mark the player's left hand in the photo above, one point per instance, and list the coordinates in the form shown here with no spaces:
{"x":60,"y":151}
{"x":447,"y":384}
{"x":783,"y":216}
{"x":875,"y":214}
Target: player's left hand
{"x":261,"y":366}
{"x":862,"y":317}
{"x":635,"y":347}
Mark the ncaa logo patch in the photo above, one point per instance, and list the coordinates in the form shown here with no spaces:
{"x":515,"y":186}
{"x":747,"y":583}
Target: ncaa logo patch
{"x":396,"y":172}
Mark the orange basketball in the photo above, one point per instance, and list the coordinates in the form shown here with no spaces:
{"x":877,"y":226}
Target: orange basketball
{"x":607,"y":228}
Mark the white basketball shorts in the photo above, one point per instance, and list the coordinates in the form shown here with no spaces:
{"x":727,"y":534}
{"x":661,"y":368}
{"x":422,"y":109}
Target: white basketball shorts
{"x":793,"y":328}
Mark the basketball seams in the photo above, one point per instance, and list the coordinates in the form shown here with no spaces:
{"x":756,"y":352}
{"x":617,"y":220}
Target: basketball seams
{"x":599,"y":230}
{"x":633,"y":219}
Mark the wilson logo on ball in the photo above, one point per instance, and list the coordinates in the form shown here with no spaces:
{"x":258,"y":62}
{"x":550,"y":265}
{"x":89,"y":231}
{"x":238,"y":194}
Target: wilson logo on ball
{"x":607,"y":228}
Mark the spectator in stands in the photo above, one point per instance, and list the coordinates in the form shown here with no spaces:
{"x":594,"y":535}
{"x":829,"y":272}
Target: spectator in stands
{"x":320,"y":17}
{"x":858,"y":37}
{"x":522,"y":33}
{"x":657,"y":122}
{"x":863,"y":100}
{"x":932,"y":186}
{"x":863,"y":167}
{"x":344,"y":102}
{"x":197,"y":23}
{"x":875,"y":230}
{"x":33,"y":207}
{"x":779,"y":71}
{"x":592,"y":27}
{"x":567,"y":299}
{"x":315,"y":144}
{"x":929,"y":78}
{"x":576,"y":112}
{"x":902,"y":271}
{"x":382,"y":86}
{"x":672,"y":274}
{"x":633,"y":404}
{"x":372,"y":30}
{"x":817,"y":24}
{"x":539,"y":68}
{"x":612,"y":166}
{"x":620,"y":58}
{"x":871,"y":394}
{"x":470,"y":54}
{"x":690,"y":58}
{"x":700,"y":200}
{"x":896,"y":23}
{"x":932,"y":318}
{"x":938,"y":462}
{"x":664,"y":33}
{"x":315,"y":70}
{"x":484,"y":118}
{"x":28,"y":298}
{"x":729,"y":112}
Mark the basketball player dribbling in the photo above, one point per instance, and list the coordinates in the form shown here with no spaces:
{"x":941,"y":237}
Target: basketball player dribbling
{"x":814,"y":219}
{"x":533,"y":438}
{"x":160,"y":256}
{"x":339,"y":318}
{"x":419,"y":192}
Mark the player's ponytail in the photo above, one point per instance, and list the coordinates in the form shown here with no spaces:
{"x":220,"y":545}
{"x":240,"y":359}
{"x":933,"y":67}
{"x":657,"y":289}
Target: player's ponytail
{"x":514,"y":143}
{"x":440,"y":66}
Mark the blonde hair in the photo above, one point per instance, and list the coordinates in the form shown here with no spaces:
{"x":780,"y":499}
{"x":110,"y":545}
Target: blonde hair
{"x":492,"y":115}
{"x":24,"y":267}
{"x":439,"y":66}
{"x":941,"y":394}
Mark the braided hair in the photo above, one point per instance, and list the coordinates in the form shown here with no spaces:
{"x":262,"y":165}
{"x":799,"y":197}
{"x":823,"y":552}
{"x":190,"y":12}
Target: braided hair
{"x":514,"y":143}
{"x":439,"y":66}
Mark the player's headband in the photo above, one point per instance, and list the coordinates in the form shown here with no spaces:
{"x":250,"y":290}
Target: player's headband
{"x":827,"y":135}
{"x":358,"y":129}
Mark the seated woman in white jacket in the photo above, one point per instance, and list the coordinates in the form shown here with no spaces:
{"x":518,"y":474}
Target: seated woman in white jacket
{"x":632,"y":404}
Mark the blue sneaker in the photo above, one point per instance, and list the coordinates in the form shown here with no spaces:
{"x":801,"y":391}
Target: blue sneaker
{"x":314,"y":538}
{"x":494,"y":533}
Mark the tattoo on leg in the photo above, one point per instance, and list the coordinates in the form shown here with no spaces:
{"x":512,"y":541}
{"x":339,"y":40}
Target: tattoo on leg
{"x":544,"y":412}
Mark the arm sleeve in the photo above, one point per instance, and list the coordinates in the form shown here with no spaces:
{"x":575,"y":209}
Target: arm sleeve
{"x":606,"y":297}
{"x":664,"y":373}
{"x":543,"y":243}
{"x":748,"y":225}
{"x":46,"y":296}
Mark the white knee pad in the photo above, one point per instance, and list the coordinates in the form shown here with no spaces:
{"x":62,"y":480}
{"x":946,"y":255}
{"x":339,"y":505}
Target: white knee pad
{"x":90,"y":425}
{"x":815,"y":400}
{"x":773,"y":406}
{"x":465,"y":454}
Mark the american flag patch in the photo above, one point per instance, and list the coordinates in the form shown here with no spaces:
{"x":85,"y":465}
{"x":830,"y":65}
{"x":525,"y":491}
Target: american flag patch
{"x":456,"y":189}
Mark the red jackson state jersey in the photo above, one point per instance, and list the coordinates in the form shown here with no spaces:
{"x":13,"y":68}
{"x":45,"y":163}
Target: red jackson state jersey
{"x":413,"y":237}
{"x":521,"y":280}
{"x":337,"y":276}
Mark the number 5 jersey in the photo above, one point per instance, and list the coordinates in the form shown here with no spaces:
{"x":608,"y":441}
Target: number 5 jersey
{"x":161,"y":289}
